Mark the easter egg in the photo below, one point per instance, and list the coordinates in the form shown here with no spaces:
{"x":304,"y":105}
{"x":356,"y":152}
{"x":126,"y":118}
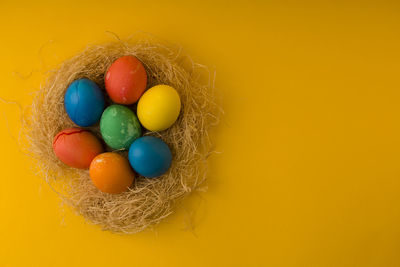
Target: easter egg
{"x":150,"y":156}
{"x":159,"y":108}
{"x":119,"y":127}
{"x":76,"y":147}
{"x":126,"y":80}
{"x":110,"y":172}
{"x":84,"y":102}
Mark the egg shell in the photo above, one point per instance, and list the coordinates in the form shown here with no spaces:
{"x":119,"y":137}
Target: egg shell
{"x":159,"y":108}
{"x":119,"y":127}
{"x":76,"y":147}
{"x":150,"y":156}
{"x":111,"y":173}
{"x":84,"y":102}
{"x":126,"y":80}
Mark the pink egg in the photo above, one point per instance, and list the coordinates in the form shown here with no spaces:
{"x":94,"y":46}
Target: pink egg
{"x":77,"y":147}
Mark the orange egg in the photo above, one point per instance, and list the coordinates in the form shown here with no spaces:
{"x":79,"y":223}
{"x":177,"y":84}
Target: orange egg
{"x":111,"y":173}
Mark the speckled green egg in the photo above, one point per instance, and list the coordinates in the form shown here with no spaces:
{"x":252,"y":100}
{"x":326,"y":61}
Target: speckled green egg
{"x":119,"y":127}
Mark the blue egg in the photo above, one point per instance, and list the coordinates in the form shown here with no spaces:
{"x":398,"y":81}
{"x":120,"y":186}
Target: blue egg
{"x":84,"y":102}
{"x":150,"y":156}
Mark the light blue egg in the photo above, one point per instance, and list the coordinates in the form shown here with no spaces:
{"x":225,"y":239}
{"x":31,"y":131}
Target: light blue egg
{"x":150,"y":156}
{"x":84,"y":102}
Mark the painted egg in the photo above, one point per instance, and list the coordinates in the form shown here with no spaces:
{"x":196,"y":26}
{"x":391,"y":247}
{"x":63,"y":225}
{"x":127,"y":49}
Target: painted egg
{"x":150,"y":156}
{"x":159,"y":108}
{"x":111,"y":173}
{"x":119,"y":127}
{"x":126,"y":80}
{"x":84,"y":102}
{"x":77,"y":147}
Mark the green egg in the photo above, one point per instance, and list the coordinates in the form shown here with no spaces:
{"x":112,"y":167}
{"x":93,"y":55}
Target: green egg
{"x":119,"y":127}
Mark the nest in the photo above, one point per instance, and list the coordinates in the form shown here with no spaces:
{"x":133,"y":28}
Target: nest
{"x":148,"y":201}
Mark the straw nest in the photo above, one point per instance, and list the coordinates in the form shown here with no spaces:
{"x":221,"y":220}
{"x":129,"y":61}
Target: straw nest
{"x":148,"y":201}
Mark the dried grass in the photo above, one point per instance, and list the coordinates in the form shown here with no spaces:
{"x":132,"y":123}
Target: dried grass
{"x":149,"y":200}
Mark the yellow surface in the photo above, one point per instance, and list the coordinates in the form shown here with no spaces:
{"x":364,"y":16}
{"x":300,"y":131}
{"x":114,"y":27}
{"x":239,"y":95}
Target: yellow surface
{"x":309,"y":173}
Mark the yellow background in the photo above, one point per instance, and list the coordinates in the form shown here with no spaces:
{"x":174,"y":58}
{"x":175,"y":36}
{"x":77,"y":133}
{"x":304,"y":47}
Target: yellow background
{"x":309,"y":173}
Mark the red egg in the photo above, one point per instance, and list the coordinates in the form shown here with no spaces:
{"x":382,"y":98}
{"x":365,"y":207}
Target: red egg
{"x":77,"y":147}
{"x":126,"y":80}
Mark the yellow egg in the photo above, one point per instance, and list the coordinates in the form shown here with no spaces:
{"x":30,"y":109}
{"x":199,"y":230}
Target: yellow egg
{"x":159,"y":107}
